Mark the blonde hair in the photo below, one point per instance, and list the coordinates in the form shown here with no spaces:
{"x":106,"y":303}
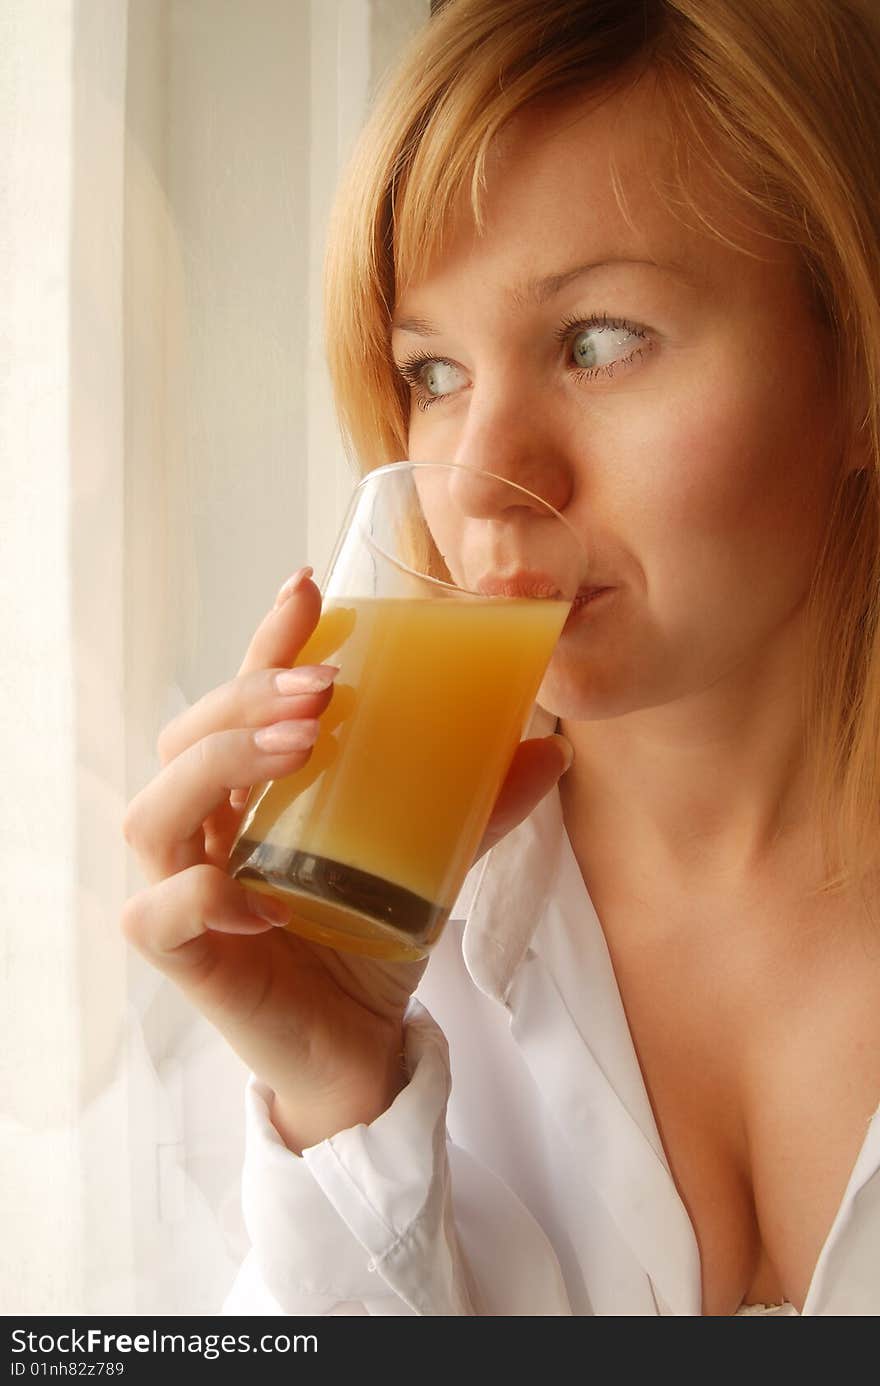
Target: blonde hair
{"x":788,"y":92}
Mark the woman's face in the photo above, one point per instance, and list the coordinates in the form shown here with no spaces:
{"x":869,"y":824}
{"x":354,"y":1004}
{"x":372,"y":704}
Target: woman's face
{"x":669,"y":393}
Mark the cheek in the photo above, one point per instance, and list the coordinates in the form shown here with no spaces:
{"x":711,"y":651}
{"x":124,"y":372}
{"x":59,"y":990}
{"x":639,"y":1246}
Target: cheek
{"x":432,"y":434}
{"x":734,"y":478}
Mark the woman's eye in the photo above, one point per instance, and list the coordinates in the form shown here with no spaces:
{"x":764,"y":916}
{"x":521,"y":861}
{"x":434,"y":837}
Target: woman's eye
{"x":440,"y":377}
{"x":430,"y":379}
{"x":597,"y":347}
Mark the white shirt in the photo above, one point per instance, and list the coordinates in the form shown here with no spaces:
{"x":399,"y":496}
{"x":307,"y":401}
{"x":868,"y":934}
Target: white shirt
{"x":537,"y":1183}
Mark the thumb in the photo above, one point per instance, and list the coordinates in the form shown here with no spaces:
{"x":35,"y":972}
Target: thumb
{"x":536,"y":767}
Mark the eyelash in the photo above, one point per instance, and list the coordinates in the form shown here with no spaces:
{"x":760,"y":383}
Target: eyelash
{"x":570,"y":327}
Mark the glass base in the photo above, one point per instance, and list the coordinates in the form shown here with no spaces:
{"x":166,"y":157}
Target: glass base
{"x":338,"y":905}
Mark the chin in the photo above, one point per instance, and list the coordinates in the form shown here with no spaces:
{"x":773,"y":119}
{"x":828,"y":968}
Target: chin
{"x":565,"y":695}
{"x":592,"y":684}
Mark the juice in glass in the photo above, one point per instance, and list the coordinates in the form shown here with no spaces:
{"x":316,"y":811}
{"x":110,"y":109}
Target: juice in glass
{"x":376,"y":833}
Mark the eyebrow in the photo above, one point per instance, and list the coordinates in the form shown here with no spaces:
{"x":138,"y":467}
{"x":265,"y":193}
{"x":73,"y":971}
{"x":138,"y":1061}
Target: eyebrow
{"x":540,"y":291}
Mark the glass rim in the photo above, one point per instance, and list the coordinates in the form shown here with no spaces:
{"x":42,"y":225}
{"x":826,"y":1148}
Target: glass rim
{"x":407,"y":465}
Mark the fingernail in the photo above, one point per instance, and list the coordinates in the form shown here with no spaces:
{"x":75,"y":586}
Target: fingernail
{"x":291,"y":585}
{"x":567,"y":749}
{"x":267,"y":907}
{"x":288,"y":736}
{"x":312,"y":679}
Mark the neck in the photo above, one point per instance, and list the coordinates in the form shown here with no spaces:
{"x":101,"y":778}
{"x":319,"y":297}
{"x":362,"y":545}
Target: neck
{"x":710,"y":788}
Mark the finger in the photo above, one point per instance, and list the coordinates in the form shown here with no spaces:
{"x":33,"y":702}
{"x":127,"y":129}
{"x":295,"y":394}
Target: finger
{"x":252,"y":700}
{"x":170,"y":923}
{"x":221,"y":828}
{"x":536,"y":767}
{"x":285,"y":629}
{"x":163,"y":824}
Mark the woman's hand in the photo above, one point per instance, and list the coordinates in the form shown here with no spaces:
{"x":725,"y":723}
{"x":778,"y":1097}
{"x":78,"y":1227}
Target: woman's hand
{"x":323,"y":1029}
{"x":534,"y":770}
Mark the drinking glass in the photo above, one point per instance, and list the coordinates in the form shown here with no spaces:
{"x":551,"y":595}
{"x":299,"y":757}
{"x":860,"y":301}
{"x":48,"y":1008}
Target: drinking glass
{"x":444,"y":598}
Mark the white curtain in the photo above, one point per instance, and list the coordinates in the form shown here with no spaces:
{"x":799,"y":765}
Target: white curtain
{"x":169,"y":455}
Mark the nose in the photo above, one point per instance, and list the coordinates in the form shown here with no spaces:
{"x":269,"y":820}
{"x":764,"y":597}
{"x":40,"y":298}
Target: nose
{"x":512,"y":438}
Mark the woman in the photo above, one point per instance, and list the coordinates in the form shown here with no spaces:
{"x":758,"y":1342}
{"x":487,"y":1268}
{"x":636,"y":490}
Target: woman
{"x":626,"y":254}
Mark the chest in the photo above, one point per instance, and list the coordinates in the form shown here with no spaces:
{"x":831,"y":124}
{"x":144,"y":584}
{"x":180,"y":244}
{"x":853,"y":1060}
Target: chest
{"x":758,"y":1040}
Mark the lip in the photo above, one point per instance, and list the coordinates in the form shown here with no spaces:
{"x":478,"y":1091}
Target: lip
{"x":586,"y":599}
{"x":588,"y":594}
{"x":522,"y":583}
{"x":527,"y":583}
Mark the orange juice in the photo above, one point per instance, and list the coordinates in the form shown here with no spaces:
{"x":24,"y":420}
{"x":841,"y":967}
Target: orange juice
{"x":374,"y":836}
